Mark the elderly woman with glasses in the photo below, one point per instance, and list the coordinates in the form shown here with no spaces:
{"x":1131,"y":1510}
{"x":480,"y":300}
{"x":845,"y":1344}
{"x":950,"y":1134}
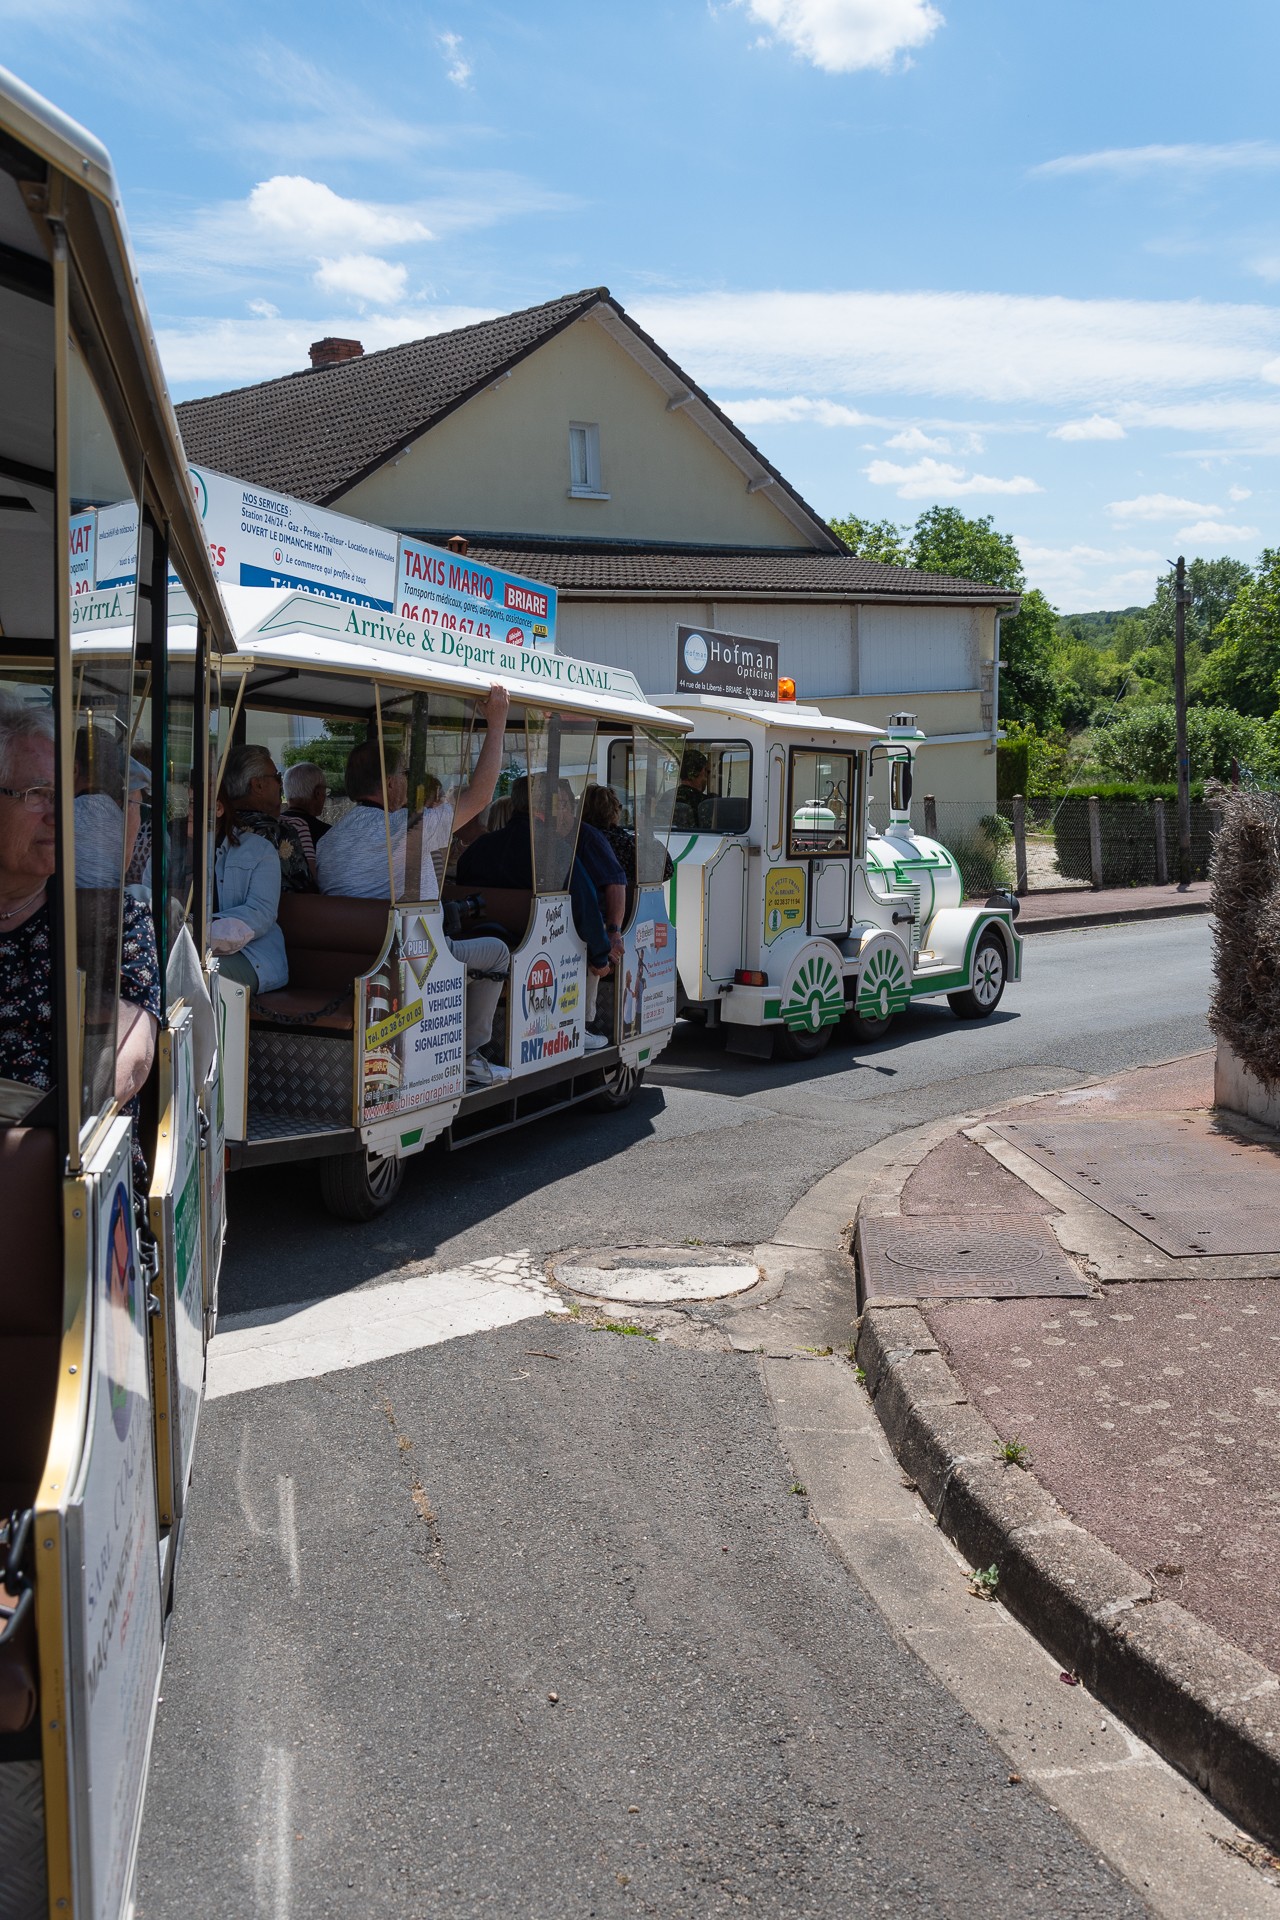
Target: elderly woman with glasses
{"x":28,"y":852}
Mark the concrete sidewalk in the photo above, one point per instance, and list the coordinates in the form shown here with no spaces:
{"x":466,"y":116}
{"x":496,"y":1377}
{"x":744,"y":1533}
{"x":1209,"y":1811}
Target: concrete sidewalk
{"x":1060,"y":909}
{"x":1101,"y":1424}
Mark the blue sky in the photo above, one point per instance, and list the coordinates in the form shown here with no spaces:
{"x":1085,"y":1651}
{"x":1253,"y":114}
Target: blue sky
{"x":1019,"y":257}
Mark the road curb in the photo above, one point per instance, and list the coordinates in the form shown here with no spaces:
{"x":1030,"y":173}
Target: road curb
{"x":1115,"y":917}
{"x":1207,"y":1707}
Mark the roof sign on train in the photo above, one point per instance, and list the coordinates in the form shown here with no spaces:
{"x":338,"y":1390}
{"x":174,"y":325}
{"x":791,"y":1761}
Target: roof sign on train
{"x":459,"y":644}
{"x":262,"y":539}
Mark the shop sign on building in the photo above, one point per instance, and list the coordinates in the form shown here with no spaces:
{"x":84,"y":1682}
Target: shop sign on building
{"x":725,"y":663}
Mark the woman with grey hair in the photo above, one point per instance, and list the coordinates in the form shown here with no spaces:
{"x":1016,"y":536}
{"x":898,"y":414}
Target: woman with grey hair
{"x":28,"y":853}
{"x":248,"y":875}
{"x":254,"y":792}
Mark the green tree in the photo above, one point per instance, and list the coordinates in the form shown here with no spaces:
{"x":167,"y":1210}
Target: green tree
{"x":1212,"y":587}
{"x":1242,"y":670}
{"x":880,"y":540}
{"x":1029,"y":689}
{"x":1141,"y":744}
{"x":944,"y":540}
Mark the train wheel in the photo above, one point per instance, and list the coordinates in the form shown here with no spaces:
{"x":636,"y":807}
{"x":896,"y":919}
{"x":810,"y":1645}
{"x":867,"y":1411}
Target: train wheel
{"x":983,"y":997}
{"x":619,"y":1089}
{"x":863,"y":1029}
{"x":802,"y":1044}
{"x":360,"y":1186}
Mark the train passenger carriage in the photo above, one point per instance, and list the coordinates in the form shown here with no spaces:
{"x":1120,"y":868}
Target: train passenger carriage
{"x":370,"y":1050}
{"x":111,"y":1189}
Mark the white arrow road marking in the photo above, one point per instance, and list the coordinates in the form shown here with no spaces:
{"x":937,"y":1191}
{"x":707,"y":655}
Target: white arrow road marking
{"x":274,"y":1344}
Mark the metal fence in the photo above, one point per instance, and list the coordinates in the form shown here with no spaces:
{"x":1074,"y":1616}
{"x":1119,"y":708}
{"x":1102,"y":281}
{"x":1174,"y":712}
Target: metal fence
{"x":980,"y":839}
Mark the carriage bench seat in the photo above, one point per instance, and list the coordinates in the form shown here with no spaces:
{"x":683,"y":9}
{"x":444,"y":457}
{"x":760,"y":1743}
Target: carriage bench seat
{"x":30,"y":1339}
{"x":331,"y":941}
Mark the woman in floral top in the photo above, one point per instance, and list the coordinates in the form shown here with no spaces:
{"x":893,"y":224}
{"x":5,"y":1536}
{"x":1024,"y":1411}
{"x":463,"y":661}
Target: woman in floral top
{"x":27,"y":853}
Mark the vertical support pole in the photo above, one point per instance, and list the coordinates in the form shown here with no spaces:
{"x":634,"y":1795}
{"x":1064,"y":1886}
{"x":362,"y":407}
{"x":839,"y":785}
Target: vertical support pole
{"x":1162,"y":850}
{"x":1095,"y":840}
{"x":1180,"y":711}
{"x":1020,"y":843}
{"x":930,"y":817}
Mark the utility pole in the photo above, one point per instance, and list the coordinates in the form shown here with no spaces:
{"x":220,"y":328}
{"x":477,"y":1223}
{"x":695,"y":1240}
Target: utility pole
{"x":1180,"y":709}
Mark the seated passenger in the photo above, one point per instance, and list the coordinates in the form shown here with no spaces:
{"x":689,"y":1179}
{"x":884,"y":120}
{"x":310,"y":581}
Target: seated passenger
{"x":254,"y":792}
{"x":305,"y":793}
{"x":602,"y":809}
{"x":246,"y":933}
{"x":605,"y":872}
{"x":28,"y":847}
{"x":351,"y":860}
{"x":693,"y":807}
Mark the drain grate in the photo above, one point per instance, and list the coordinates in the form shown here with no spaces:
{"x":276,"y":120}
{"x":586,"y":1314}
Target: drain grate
{"x":955,"y":1256}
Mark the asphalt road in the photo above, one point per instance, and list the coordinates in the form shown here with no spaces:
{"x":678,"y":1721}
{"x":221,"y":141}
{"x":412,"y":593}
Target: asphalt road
{"x":718,"y":1147}
{"x":389,"y":1571}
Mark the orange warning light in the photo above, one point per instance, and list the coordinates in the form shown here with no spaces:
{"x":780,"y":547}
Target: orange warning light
{"x":786,"y":689}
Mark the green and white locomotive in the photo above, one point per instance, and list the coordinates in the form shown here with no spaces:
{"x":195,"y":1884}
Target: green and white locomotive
{"x":791,"y":914}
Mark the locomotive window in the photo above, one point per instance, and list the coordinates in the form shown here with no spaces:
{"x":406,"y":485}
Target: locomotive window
{"x":714,"y":791}
{"x":821,"y":814}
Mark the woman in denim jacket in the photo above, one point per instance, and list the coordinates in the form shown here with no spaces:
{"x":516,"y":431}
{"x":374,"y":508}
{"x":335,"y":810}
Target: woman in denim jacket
{"x":247,"y":871}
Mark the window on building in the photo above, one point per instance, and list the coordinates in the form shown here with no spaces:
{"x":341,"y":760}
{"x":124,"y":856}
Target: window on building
{"x":584,"y":461}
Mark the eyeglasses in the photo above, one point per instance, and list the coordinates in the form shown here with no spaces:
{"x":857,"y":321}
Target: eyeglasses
{"x":34,"y":799}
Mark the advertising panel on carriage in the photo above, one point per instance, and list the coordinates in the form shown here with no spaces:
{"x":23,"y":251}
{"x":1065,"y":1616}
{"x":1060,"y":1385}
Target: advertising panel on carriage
{"x":647,"y":974}
{"x":457,"y":594}
{"x":182,"y":1245}
{"x":113,"y":1550}
{"x":412,"y":1021}
{"x":548,"y":990}
{"x":262,"y":539}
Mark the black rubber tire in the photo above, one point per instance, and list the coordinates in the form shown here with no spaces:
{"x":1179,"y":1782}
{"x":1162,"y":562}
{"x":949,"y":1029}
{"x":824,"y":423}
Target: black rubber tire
{"x":360,"y":1186}
{"x":621,"y":1084}
{"x":860,"y":1028}
{"x":802,"y":1046}
{"x":967,"y":1005}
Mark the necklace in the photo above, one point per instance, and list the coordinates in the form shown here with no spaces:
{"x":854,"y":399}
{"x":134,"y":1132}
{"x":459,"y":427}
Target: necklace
{"x":12,"y":912}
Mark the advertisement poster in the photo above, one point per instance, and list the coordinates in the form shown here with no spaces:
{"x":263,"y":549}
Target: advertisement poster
{"x":263,"y":539}
{"x":413,"y":1009}
{"x":647,"y":974}
{"x":460,"y":595}
{"x":188,"y":1326}
{"x":726,"y":663}
{"x":117,"y":1664}
{"x":548,"y":989}
{"x":784,"y":899}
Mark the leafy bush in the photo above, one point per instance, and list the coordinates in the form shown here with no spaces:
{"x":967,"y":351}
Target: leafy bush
{"x":1141,"y":744}
{"x":1013,"y":768}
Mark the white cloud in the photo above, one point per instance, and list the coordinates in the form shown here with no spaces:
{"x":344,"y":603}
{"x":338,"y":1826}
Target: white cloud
{"x":1230,"y":157}
{"x":457,"y":66}
{"x":204,"y":355}
{"x":913,"y":440}
{"x":930,"y":479}
{"x":1237,"y":494}
{"x":1049,"y":351}
{"x":844,"y":36}
{"x":1080,"y":577}
{"x":1157,"y":506}
{"x":771,"y":413}
{"x":364,"y":278}
{"x":1218,"y":532}
{"x":1097,"y":427}
{"x":264,"y":310}
{"x":290,"y":207}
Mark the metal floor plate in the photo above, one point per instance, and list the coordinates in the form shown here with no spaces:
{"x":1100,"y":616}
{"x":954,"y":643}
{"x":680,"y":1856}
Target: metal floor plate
{"x":1185,"y":1184}
{"x":955,"y":1256}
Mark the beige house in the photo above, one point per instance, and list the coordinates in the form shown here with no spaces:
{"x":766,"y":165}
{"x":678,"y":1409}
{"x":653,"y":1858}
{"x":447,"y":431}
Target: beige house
{"x":562,"y":442}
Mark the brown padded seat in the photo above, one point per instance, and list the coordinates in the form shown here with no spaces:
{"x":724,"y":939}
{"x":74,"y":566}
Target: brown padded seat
{"x":30,"y":1338}
{"x":505,"y":907}
{"x":329,"y":940}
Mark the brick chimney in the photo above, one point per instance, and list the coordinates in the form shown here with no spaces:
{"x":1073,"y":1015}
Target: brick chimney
{"x":331,"y":353}
{"x":458,"y":543}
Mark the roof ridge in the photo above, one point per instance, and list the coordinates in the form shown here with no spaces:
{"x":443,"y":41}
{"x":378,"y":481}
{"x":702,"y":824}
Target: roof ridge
{"x":582,"y":297}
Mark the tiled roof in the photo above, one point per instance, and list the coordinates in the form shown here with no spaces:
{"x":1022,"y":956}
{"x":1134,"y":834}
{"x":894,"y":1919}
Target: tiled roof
{"x":313,"y":434}
{"x":713,"y":573}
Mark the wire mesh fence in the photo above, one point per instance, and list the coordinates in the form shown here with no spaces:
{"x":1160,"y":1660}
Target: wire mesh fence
{"x":979,"y":838}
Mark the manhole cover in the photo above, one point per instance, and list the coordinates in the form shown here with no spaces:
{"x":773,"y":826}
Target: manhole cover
{"x":967,"y":1253}
{"x":956,"y":1256}
{"x":657,"y":1276}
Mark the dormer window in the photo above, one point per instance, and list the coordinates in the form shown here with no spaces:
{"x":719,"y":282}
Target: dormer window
{"x":584,"y":461}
